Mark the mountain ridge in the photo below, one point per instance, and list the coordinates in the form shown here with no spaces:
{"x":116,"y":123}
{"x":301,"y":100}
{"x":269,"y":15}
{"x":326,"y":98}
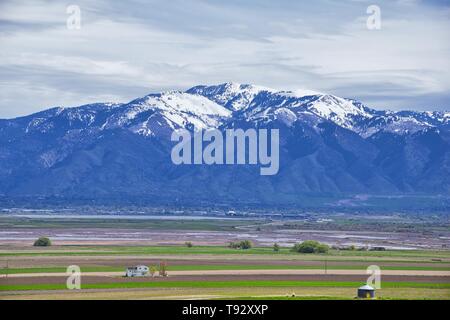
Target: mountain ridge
{"x":329,"y":145}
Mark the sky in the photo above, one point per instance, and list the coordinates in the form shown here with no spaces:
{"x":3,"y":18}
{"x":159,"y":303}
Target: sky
{"x":130,"y":48}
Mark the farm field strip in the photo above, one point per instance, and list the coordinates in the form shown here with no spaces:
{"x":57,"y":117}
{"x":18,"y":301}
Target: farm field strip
{"x":221,"y":284}
{"x":330,"y":268}
{"x":217,"y":250}
{"x":252,"y":272}
{"x":256,"y":293}
{"x":219,"y":272}
{"x":248,"y":258}
{"x":177,"y":249}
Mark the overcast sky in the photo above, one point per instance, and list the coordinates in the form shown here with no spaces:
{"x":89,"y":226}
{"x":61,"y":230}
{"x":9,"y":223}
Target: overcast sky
{"x":129,"y":48}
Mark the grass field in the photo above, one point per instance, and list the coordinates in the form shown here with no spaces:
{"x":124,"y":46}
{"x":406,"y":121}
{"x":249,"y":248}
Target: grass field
{"x":219,"y":267}
{"x":421,"y":255}
{"x":222,"y":284}
{"x":256,"y":293}
{"x":112,"y":223}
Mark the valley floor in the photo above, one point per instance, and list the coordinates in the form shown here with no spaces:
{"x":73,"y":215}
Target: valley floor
{"x":209,"y":269}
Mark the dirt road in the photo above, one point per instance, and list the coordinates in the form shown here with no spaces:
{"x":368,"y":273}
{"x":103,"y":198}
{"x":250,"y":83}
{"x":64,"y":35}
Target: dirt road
{"x":422,"y":273}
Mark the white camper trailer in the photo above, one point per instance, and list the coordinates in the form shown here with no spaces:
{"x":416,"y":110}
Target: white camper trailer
{"x":139,"y":271}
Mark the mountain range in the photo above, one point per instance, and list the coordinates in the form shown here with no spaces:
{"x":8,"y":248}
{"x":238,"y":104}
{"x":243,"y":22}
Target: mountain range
{"x":328,"y":146}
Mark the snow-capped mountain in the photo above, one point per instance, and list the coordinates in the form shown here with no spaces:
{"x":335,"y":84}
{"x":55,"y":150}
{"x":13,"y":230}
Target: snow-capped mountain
{"x":329,"y":145}
{"x":259,"y":102}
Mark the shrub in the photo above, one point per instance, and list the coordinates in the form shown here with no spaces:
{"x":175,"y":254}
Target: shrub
{"x":245,"y":244}
{"x":377,"y":249}
{"x":305,"y":247}
{"x":310,"y":246}
{"x":43,"y":242}
{"x":234,"y":245}
{"x":276,"y":247}
{"x":322,"y":248}
{"x":189,"y":244}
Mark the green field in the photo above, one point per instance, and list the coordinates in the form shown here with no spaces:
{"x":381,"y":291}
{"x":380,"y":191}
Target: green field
{"x":111,"y":223}
{"x":221,"y":284}
{"x":218,"y":267}
{"x":421,"y":255}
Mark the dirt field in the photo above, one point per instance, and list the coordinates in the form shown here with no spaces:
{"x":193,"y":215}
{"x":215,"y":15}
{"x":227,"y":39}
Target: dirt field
{"x":52,"y":279}
{"x":217,"y":293}
{"x":101,"y":236}
{"x":250,"y":273}
{"x":123,"y":261}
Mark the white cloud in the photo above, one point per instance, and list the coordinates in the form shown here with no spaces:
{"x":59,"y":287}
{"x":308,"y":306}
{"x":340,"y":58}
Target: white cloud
{"x":129,"y":48}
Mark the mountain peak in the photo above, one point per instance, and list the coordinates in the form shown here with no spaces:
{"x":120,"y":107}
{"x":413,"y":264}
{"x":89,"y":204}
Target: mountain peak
{"x":236,"y":96}
{"x":233,"y":96}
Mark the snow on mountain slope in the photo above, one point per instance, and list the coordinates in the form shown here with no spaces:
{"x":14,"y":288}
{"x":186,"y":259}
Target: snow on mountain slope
{"x":233,"y":96}
{"x":393,"y":123}
{"x":170,"y":110}
{"x":237,"y":97}
{"x":402,"y":122}
{"x":82,"y":117}
{"x":258,"y":101}
{"x":341,"y":111}
{"x":286,"y":116}
{"x":211,"y":106}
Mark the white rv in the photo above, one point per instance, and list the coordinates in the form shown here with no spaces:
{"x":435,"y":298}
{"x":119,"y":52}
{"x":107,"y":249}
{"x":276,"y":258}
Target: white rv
{"x":139,"y":271}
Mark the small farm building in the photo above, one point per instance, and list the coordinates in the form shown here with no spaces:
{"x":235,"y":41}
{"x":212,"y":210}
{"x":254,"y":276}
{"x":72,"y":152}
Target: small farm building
{"x":138,"y":271}
{"x":366,"y":292}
